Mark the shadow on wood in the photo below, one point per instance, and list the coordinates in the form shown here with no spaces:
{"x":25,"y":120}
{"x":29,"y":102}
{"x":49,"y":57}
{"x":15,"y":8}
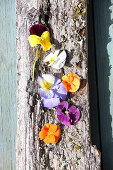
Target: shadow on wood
{"x":101,"y":79}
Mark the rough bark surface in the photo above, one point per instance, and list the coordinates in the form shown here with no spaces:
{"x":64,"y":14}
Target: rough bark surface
{"x":67,"y":26}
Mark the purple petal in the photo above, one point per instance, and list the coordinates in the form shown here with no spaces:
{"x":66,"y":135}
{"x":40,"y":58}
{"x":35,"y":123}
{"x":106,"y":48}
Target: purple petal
{"x":59,"y":110}
{"x":72,"y":109}
{"x":60,"y":91}
{"x":61,"y":106}
{"x":67,"y":123}
{"x":50,"y":103}
{"x":47,"y":94}
{"x":75,"y":116}
{"x":38,"y":29}
{"x":64,"y":119}
{"x":57,"y":81}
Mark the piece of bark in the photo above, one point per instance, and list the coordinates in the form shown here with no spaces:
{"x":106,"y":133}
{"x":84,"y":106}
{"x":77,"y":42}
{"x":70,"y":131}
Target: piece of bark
{"x":67,"y":21}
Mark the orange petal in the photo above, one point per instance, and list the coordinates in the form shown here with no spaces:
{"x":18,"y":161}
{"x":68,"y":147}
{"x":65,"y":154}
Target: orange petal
{"x":47,"y":125}
{"x":43,"y":133}
{"x":52,"y":129}
{"x":50,"y":139}
{"x":66,"y":85}
{"x":56,"y":140}
{"x":58,"y":133}
{"x":71,"y":77}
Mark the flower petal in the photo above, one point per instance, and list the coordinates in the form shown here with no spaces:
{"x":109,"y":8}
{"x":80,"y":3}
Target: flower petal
{"x":56,"y":53}
{"x":49,"y":57}
{"x":75,"y":116}
{"x":65,"y":78}
{"x":34,"y":40}
{"x":43,"y":133}
{"x":49,"y":78}
{"x":67,"y":85}
{"x":63,"y":104}
{"x":47,"y":94}
{"x":52,"y":129}
{"x":60,"y":91}
{"x":72,"y":109}
{"x":59,"y":63}
{"x":50,"y":139}
{"x":45,"y":41}
{"x":38,"y":29}
{"x":64,"y":119}
{"x":58,"y":132}
{"x":50,"y":103}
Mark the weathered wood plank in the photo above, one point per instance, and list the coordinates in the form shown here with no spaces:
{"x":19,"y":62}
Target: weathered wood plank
{"x":103,"y":17}
{"x":7,"y":85}
{"x":66,"y":33}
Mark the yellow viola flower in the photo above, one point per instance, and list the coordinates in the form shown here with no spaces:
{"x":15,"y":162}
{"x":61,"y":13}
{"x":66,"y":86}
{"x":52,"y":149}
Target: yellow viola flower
{"x":40,"y":35}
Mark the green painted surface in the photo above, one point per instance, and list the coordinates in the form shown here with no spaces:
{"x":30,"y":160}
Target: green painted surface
{"x":103,"y":33}
{"x":8,"y":85}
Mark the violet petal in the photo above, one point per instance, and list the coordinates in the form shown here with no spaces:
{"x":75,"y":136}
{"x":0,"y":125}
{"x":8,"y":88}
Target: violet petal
{"x":64,"y":119}
{"x":60,"y":91}
{"x":50,"y":103}
{"x":72,"y":109}
{"x":47,"y":94}
{"x":75,"y":116}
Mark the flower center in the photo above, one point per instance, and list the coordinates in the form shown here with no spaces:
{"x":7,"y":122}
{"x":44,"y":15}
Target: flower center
{"x":52,"y":59}
{"x":46,"y":85}
{"x":64,"y":111}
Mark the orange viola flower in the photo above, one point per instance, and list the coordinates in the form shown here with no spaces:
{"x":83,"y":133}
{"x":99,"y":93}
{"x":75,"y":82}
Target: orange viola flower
{"x":71,"y":82}
{"x":50,"y":133}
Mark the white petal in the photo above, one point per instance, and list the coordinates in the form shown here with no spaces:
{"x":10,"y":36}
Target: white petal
{"x":60,"y":61}
{"x":56,"y":53}
{"x":40,"y":81}
{"x":62,"y":56}
{"x":49,"y":78}
{"x":48,"y":57}
{"x":58,"y":65}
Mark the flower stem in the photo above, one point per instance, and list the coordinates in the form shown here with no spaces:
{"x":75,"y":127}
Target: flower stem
{"x":36,"y":57}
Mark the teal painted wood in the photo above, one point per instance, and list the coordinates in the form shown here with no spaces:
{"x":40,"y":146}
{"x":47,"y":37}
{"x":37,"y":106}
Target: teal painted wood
{"x":103,"y":20}
{"x":8,"y":85}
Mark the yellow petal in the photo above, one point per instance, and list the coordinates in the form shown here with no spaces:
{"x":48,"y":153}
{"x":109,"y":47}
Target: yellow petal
{"x":45,"y":41}
{"x":65,"y":78}
{"x":34,"y":39}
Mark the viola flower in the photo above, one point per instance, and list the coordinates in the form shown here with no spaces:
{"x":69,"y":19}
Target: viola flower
{"x":56,"y":60}
{"x":71,"y":82}
{"x":40,"y":35}
{"x":50,"y":133}
{"x":67,"y":114}
{"x":51,"y":90}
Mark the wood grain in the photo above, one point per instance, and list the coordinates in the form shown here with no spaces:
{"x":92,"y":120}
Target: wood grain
{"x":66,"y":29}
{"x":8,"y":85}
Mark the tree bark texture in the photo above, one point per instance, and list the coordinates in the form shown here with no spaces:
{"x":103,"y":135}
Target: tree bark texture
{"x":67,"y":21}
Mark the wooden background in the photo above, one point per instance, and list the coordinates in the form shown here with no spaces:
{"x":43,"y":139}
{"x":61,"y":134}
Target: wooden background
{"x":100,"y":80}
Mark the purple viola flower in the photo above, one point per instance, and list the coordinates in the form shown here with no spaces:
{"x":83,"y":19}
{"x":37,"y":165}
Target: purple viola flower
{"x":38,"y":29}
{"x":51,"y":90}
{"x":67,"y":114}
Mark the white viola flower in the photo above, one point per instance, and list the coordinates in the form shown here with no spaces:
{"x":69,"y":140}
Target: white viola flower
{"x":56,"y":60}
